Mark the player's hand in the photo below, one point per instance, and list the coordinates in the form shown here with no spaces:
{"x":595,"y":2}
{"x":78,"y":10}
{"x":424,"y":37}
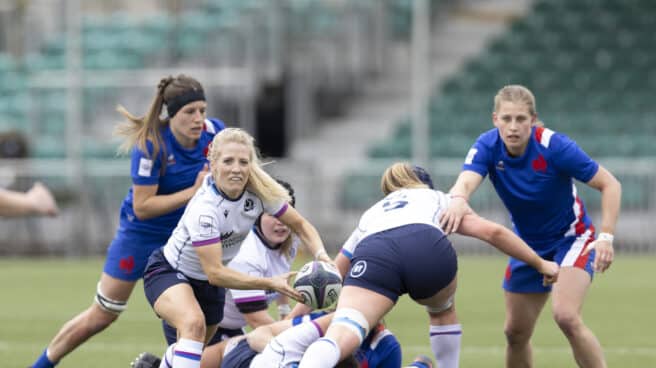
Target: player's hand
{"x":604,"y":254}
{"x":451,"y":217}
{"x":549,"y":271}
{"x":280,"y":283}
{"x":201,"y":176}
{"x":43,"y":201}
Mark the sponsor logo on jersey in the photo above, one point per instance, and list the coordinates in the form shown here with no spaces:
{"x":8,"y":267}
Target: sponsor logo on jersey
{"x":170,"y":160}
{"x":358,"y":269}
{"x":207,"y":225}
{"x":500,"y":166}
{"x":145,"y":167}
{"x":226,"y":235}
{"x":225,"y":213}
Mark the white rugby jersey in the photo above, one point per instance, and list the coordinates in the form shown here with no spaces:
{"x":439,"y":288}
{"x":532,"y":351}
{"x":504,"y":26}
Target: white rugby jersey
{"x":256,"y":259}
{"x":212,"y":217}
{"x":401,"y":207}
{"x":288,"y":347}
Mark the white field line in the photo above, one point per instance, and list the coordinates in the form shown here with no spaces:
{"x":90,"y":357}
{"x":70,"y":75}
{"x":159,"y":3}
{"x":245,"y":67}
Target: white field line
{"x":501,"y":350}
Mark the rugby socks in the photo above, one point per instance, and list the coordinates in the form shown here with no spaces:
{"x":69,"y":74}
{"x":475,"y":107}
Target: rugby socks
{"x":43,"y":361}
{"x":167,"y":359}
{"x":445,"y":343}
{"x":324,"y":353}
{"x":187,"y":353}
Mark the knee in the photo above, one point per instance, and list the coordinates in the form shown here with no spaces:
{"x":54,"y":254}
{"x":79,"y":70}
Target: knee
{"x":568,"y":321}
{"x":516,"y":335}
{"x":193,"y":327}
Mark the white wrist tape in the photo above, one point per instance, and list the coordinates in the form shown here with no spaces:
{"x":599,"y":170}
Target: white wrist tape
{"x":606,"y":236}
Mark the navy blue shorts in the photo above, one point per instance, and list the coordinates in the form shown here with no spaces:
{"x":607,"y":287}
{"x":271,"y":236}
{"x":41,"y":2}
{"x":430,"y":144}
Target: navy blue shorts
{"x":160,"y":275}
{"x":171,"y":334}
{"x":128,"y":254}
{"x":240,"y":356}
{"x":416,"y":259}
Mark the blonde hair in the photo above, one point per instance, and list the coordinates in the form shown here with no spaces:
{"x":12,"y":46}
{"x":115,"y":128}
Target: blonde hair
{"x":518,"y":94}
{"x":259,"y":182}
{"x":137,"y":131}
{"x":400,"y":175}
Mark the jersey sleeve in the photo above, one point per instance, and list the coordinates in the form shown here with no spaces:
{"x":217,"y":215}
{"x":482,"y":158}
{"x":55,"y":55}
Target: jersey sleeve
{"x":349,"y":245}
{"x":145,"y":168}
{"x":276,"y":209}
{"x":478,"y":157}
{"x":572,"y":160}
{"x":202,"y":222}
{"x":214,"y":125}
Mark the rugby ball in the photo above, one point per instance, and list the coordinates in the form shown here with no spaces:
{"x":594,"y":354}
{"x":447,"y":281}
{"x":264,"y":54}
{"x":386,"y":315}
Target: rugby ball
{"x":319,"y":283}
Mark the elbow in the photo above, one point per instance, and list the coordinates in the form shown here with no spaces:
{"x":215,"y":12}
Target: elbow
{"x":141,"y":212}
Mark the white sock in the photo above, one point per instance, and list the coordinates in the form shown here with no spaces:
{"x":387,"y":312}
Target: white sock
{"x":167,"y":359}
{"x":323,"y":353}
{"x":187,"y":354}
{"x":445,"y":342}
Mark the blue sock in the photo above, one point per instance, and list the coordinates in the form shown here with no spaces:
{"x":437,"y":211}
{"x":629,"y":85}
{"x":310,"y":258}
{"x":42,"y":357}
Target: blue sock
{"x":43,"y":361}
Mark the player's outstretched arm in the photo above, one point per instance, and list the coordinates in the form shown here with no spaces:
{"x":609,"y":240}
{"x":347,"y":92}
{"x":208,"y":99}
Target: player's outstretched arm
{"x":464,"y":187}
{"x":38,"y":201}
{"x":503,"y":239}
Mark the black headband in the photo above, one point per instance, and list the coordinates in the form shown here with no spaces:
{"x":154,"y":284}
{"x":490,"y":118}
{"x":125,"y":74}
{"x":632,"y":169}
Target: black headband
{"x":188,"y":96}
{"x":423,"y":175}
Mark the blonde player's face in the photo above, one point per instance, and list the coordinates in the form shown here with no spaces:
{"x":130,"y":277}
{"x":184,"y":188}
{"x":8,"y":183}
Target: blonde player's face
{"x":232,"y":169}
{"x":514,"y":123}
{"x":187,"y":123}
{"x":274,"y":231}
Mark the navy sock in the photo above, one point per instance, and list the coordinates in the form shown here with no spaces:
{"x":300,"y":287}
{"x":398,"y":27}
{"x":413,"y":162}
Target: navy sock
{"x":43,"y":361}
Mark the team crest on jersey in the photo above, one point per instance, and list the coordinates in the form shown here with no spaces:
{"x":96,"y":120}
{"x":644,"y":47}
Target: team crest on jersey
{"x":500,"y":166}
{"x":248,"y":204}
{"x":170,"y":160}
{"x":539,"y":164}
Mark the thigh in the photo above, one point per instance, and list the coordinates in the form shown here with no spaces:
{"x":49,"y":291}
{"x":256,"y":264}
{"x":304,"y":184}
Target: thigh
{"x":523,"y":310}
{"x":115,"y":289}
{"x":441,"y":298}
{"x":177,"y":304}
{"x":569,"y":292}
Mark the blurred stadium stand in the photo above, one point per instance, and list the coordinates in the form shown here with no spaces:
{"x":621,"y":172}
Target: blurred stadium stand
{"x":324,"y":87}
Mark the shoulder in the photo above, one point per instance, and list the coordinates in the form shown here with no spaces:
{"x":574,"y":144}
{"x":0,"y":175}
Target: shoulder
{"x":213,"y":125}
{"x":489,"y":138}
{"x":551,"y":140}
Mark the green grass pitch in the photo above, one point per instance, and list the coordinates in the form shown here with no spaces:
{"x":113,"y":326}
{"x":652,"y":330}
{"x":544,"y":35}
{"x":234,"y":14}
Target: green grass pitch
{"x":38,"y":296}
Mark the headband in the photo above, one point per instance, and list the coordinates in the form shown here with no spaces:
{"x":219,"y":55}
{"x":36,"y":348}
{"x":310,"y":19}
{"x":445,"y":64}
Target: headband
{"x":423,"y":175}
{"x":176,"y":103}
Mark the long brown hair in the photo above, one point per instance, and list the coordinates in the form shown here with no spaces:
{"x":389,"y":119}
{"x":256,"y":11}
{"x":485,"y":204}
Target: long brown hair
{"x":137,"y":131}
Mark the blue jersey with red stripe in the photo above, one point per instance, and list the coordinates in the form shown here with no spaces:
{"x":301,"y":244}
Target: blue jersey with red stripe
{"x":380,"y":349}
{"x":537,"y":188}
{"x":182,"y":167}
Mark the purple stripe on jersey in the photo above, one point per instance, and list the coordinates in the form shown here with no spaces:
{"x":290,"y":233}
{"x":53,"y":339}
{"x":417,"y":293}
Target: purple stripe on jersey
{"x":457,"y":332}
{"x":318,"y":327}
{"x":206,"y":242}
{"x":346,"y":253}
{"x":250,"y":299}
{"x":187,"y":355}
{"x":282,"y":210}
